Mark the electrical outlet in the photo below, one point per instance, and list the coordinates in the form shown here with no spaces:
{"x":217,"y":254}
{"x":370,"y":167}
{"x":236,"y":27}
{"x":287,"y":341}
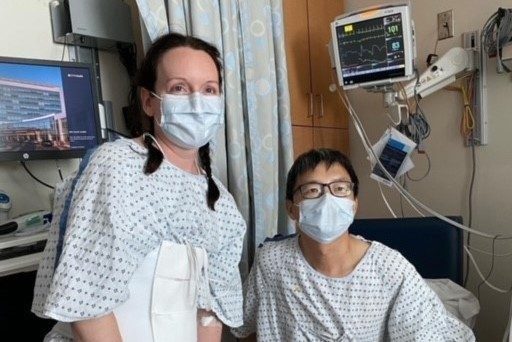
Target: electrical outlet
{"x":445,"y":25}
{"x":471,"y":40}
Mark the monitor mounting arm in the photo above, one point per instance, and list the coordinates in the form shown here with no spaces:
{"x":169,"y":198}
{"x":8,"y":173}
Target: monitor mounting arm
{"x":456,"y":63}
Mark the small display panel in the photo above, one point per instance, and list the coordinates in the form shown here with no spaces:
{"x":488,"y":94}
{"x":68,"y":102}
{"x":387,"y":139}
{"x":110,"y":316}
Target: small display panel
{"x":392,"y":157}
{"x":48,"y":109}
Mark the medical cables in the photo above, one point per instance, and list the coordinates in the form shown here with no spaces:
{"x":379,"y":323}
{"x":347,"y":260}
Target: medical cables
{"x":484,"y":278}
{"x":496,"y":33}
{"x":366,"y":141}
{"x":429,"y":167}
{"x":367,"y":145}
{"x":411,"y":199}
{"x":416,"y":126}
{"x":499,"y":255}
{"x":386,"y":201}
{"x":59,"y":170}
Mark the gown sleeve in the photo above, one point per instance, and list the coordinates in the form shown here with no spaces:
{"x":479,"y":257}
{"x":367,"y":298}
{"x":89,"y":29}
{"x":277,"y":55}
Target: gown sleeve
{"x":99,"y":252}
{"x":417,"y":314}
{"x":253,"y":288}
{"x":224,"y":276}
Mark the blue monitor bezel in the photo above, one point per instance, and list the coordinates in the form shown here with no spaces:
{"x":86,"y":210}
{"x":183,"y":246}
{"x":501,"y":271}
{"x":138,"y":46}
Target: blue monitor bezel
{"x":25,"y":155}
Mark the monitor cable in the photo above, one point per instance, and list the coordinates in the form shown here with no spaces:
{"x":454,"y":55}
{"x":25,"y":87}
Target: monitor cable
{"x":34,"y":177}
{"x":489,"y":273}
{"x":385,"y":200}
{"x":484,"y":279}
{"x":63,"y":51}
{"x":498,"y":255}
{"x":470,"y":203}
{"x":429,"y":167}
{"x":58,"y":169}
{"x":408,"y":200}
{"x":404,"y":184}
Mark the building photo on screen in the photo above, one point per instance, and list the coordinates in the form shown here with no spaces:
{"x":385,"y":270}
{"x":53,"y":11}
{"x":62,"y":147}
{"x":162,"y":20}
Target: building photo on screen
{"x":46,"y":109}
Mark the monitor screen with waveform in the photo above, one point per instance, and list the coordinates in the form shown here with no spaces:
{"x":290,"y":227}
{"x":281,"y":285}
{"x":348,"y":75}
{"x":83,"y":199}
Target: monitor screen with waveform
{"x":372,"y":51}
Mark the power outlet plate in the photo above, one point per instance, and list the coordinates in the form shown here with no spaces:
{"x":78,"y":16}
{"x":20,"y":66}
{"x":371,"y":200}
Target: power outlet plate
{"x":445,"y":25}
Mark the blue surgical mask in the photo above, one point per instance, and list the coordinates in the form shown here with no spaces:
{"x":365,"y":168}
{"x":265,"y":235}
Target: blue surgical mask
{"x":190,"y":121}
{"x":326,"y":218}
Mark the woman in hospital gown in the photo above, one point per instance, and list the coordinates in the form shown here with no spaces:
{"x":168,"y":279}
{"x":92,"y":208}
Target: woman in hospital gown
{"x":327,"y":285}
{"x":133,"y":195}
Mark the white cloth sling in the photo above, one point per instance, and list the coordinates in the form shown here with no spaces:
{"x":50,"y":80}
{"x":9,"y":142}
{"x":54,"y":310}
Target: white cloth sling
{"x":181,"y":272}
{"x":167,"y":284}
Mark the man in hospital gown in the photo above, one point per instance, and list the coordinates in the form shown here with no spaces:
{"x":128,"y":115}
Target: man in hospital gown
{"x":327,"y":285}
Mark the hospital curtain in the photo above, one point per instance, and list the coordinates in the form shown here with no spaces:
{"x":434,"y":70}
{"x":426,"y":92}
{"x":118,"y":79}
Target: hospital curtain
{"x":255,"y":151}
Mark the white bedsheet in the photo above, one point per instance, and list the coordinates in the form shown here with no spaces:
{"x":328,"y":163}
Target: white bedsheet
{"x":457,"y":300}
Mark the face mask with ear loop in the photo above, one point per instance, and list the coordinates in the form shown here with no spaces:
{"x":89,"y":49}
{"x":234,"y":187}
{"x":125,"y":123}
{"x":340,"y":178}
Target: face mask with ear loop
{"x":326,"y":218}
{"x":155,"y":142}
{"x":190,"y":121}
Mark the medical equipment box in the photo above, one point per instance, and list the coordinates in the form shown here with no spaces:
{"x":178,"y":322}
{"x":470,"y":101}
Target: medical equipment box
{"x":91,"y":23}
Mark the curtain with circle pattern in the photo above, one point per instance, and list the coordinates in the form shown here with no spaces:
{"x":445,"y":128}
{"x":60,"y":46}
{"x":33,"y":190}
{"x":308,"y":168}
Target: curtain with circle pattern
{"x":254,"y":152}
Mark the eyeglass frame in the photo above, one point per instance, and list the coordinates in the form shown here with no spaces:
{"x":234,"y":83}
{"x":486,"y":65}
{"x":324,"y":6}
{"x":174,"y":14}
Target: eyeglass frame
{"x":328,"y":185}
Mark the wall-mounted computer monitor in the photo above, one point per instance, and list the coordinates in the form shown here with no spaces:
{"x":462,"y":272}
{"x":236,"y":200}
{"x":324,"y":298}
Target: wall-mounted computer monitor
{"x":373,"y":47}
{"x":48,"y":109}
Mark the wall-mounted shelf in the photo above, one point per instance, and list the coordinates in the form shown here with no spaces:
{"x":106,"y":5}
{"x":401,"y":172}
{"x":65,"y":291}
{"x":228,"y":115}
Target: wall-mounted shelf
{"x":12,"y":241}
{"x":21,"y":263}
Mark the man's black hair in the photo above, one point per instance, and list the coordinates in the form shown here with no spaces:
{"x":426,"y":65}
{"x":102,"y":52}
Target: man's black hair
{"x":308,"y":161}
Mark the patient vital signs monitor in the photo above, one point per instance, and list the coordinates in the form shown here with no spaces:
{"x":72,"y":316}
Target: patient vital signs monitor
{"x":48,"y":109}
{"x":373,"y":47}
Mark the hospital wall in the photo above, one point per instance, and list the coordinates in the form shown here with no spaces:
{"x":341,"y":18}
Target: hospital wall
{"x":446,"y":188}
{"x":26,"y":32}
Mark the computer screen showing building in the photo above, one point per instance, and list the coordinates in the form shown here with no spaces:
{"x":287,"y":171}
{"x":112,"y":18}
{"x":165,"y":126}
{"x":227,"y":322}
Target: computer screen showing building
{"x":48,"y":109}
{"x":373,"y":47}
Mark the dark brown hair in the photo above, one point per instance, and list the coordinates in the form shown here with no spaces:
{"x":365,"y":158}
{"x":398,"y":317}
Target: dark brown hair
{"x":309,"y":161}
{"x":142,"y":123}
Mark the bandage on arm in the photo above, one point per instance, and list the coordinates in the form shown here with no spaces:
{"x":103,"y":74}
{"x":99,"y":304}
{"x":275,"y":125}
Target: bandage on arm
{"x":209,"y":328}
{"x":103,"y":329}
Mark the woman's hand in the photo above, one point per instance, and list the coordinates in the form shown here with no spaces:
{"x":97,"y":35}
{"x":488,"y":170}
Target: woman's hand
{"x":103,"y":329}
{"x":209,"y":328}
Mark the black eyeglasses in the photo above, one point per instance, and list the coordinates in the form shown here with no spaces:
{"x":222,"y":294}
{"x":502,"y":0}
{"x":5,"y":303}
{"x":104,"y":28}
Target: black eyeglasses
{"x":315,"y":190}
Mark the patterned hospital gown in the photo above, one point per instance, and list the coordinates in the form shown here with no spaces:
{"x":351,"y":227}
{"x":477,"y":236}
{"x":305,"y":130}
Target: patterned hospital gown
{"x":117,"y":215}
{"x":383,"y":299}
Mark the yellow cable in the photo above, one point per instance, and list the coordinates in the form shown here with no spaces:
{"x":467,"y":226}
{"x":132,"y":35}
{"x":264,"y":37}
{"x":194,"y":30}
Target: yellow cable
{"x":467,"y":123}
